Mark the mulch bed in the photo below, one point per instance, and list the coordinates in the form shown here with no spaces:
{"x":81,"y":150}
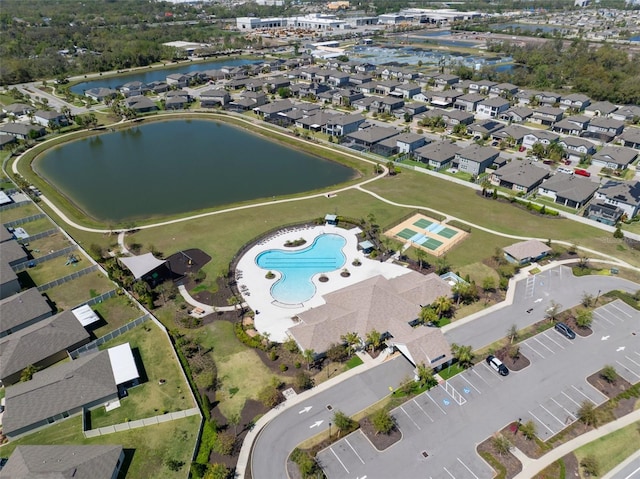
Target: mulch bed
{"x":528,"y":446}
{"x":514,"y":364}
{"x":379,"y":441}
{"x":571,"y":466}
{"x":188,"y":261}
{"x":571,"y":322}
{"x":509,"y":461}
{"x":610,"y":390}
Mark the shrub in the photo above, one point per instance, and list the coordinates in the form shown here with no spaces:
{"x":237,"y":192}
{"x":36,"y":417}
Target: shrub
{"x":224,"y":444}
{"x":304,"y":381}
{"x":173,"y":464}
{"x":501,"y":444}
{"x":283,"y":367}
{"x":308,"y":466}
{"x":343,"y":422}
{"x":590,"y":465}
{"x":609,"y":374}
{"x":528,"y":429}
{"x":269,"y":396}
{"x":584,"y":319}
{"x":382,"y":421}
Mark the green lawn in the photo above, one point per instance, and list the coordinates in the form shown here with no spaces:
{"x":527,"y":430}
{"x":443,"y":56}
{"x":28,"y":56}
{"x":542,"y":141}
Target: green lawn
{"x":116,"y":311}
{"x":150,"y":398}
{"x":55,"y":268}
{"x":478,"y":272}
{"x":613,"y":448}
{"x":148,"y":448}
{"x":353,"y":362}
{"x":27,"y":209}
{"x":450,"y":371}
{"x":46,"y":245}
{"x":77,"y":291}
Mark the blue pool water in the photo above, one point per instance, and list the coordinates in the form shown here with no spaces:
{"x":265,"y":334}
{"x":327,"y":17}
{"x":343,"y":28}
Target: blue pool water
{"x":298,"y":267}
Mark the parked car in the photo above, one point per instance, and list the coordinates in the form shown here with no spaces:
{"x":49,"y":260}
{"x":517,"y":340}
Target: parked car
{"x":496,"y":364}
{"x":565,"y":330}
{"x":521,"y":149}
{"x":581,"y":172}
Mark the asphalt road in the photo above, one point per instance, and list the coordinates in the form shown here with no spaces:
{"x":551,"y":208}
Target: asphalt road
{"x":451,"y":439}
{"x":441,"y":428}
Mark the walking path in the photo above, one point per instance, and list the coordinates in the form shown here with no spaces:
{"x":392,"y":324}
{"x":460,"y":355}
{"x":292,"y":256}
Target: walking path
{"x":530,"y":467}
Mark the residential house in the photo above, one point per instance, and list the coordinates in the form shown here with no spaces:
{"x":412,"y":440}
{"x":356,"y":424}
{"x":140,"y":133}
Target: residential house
{"x":568,"y":190}
{"x":546,"y":98}
{"x":521,"y":176}
{"x":482,"y":86}
{"x":492,"y":107}
{"x":437,"y":155}
{"x":9,"y":284}
{"x":572,"y":125}
{"x":341,"y":125}
{"x":576,"y":148}
{"x":526,"y":252}
{"x":6,"y":140}
{"x":312,"y":89}
{"x":485,"y":128}
{"x":511,"y":134}
{"x":22,"y":310}
{"x":18,"y":109}
{"x":505,"y":90}
{"x":407,"y":90}
{"x":517,"y":114}
{"x":604,"y":129}
{"x":605,"y":213}
{"x":413,"y":109}
{"x":214,"y":97}
{"x":626,"y":113}
{"x":62,"y":391}
{"x":423,"y":96}
{"x":22,"y":131}
{"x":317,"y":121}
{"x":256,"y":84}
{"x":270,"y":111}
{"x":13,"y":253}
{"x":140,"y":104}
{"x":445,"y":98}
{"x":238,"y":83}
{"x":338,"y":78}
{"x":631,"y":138}
{"x":360,"y":78}
{"x":158,"y":87}
{"x":101,"y":94}
{"x":575,"y":101}
{"x":409,"y":142}
{"x":274,"y":84}
{"x":444,"y":81}
{"x":41,"y":345}
{"x":65,"y":461}
{"x":614,"y":157}
{"x":539,"y":136}
{"x":370,"y":136}
{"x":364,"y":104}
{"x":248,"y":101}
{"x":468,"y":102}
{"x":547,"y":115}
{"x":177,"y":80}
{"x":134,"y":88}
{"x":623,"y":195}
{"x":454,"y":117}
{"x":176,"y":102}
{"x":384,"y":87}
{"x":474,"y":159}
{"x":386,"y":104}
{"x":600,"y":108}
{"x":527,"y":98}
{"x":365,"y":67}
{"x":346,"y":97}
{"x":49,"y":118}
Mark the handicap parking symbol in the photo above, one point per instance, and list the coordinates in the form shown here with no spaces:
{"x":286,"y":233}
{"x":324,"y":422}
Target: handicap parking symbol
{"x":445,"y":402}
{"x":467,"y":390}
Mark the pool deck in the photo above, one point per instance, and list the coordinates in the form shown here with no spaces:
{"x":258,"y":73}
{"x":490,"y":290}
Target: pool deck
{"x":273,"y":318}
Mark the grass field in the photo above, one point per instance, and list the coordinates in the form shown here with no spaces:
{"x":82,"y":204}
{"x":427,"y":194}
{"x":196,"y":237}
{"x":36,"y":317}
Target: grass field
{"x":38,"y":226}
{"x":48,"y":244}
{"x":77,"y":291}
{"x":613,"y":448}
{"x":146,"y":448}
{"x":56,"y":268}
{"x":116,"y":311}
{"x":23,"y":211}
{"x":149,"y":398}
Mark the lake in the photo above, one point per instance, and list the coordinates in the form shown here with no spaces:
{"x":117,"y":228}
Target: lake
{"x":157,"y":74}
{"x":176,"y":166}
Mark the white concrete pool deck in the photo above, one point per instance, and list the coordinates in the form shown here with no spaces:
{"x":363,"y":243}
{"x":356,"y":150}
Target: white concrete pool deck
{"x":255,"y":288}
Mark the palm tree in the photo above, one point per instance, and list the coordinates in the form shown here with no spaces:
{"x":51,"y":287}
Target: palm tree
{"x":553,"y":310}
{"x":374,"y":339}
{"x":464,"y":354}
{"x":442,"y":305}
{"x":352,"y":339}
{"x":421,"y":255}
{"x":428,"y":315}
{"x":309,"y":354}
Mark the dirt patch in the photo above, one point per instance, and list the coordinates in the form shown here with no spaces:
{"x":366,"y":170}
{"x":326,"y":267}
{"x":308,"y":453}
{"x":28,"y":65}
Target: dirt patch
{"x":624,"y":407}
{"x":609,"y":389}
{"x":515,"y":362}
{"x":571,"y":465}
{"x":511,"y":464}
{"x":379,"y":441}
{"x":528,"y":446}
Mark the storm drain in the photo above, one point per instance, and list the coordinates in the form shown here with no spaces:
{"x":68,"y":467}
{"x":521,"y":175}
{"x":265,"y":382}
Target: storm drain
{"x":424,"y":454}
{"x":329,"y":407}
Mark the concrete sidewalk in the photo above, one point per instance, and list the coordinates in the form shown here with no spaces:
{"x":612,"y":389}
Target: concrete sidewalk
{"x":530,"y":467}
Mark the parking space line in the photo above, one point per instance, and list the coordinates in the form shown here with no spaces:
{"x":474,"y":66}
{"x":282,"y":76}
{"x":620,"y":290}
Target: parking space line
{"x":602,"y":316}
{"x":587,"y":397}
{"x":491,"y":370}
{"x":565,"y":409}
{"x":627,"y":369}
{"x":538,"y":419}
{"x":483,"y":379}
{"x":569,"y":398}
{"x":341,"y":463}
{"x":552,"y":415}
{"x":543,"y":345}
{"x":526,"y":343}
{"x":553,"y":340}
{"x":425,"y":412}
{"x":454,"y":477}
{"x":354,"y":451}
{"x":621,"y":310}
{"x":469,"y":382}
{"x":632,"y":360}
{"x":467,"y":468}
{"x":410,"y":418}
{"x":438,"y":405}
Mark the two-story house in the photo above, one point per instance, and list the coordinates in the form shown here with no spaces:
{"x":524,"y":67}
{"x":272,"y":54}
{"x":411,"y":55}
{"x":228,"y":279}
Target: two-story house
{"x":474,"y":159}
{"x":340,"y":125}
{"x":437,"y":155}
{"x":614,"y":157}
{"x":539,"y":136}
{"x":547,"y":115}
{"x":622,"y":198}
{"x":575,"y":101}
{"x":468,"y":102}
{"x":604,"y":129}
{"x":492,"y":107}
{"x":577,"y":148}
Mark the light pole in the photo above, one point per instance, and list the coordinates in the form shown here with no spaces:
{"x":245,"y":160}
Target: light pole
{"x":329,"y":430}
{"x":597,"y":297}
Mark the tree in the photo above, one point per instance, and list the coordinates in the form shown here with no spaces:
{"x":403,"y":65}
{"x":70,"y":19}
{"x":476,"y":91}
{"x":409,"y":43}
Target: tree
{"x":588,"y":414}
{"x":590,"y":465}
{"x":216,"y":471}
{"x":587,"y":299}
{"x":173,"y":464}
{"x":553,"y":310}
{"x":528,"y":429}
{"x":442,"y":306}
{"x":463,"y":354}
{"x":28,"y":372}
{"x":584,"y":319}
{"x":342,"y":421}
{"x":609,"y":374}
{"x":304,"y":381}
{"x":234,"y":301}
{"x":512,"y":333}
{"x":309,"y":355}
{"x":422,"y":256}
{"x":428,"y":315}
{"x":224,"y":443}
{"x":501,"y":444}
{"x":374,"y":339}
{"x":337,"y":353}
{"x":425,"y":376}
{"x":442,"y":265}
{"x":489,"y":283}
{"x":538,"y":150}
{"x":382,"y":421}
{"x":352,"y":340}
{"x":234,"y":420}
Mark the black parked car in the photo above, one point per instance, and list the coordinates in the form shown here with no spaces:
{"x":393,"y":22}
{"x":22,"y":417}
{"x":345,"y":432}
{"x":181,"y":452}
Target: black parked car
{"x":565,"y":330}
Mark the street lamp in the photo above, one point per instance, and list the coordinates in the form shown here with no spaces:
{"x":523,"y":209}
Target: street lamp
{"x":597,"y":297}
{"x":329,"y":430}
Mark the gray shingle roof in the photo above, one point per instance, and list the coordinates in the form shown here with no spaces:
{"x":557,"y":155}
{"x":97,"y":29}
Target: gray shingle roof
{"x":373,"y":134}
{"x":527,"y":249}
{"x":522,"y":173}
{"x":628,"y":193}
{"x":12,"y":252}
{"x":62,"y":462}
{"x":477,"y":153}
{"x":5,"y":234}
{"x":616,"y":154}
{"x":39,"y":341}
{"x":572,"y":187}
{"x":21,"y":308}
{"x":439,"y":151}
{"x":59,"y":389}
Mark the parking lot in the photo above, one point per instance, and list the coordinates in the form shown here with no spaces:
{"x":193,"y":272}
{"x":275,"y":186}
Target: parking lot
{"x":549,"y":392}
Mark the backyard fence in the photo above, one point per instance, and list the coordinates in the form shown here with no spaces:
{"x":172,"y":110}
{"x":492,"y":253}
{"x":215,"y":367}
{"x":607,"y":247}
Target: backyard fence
{"x":70,"y":277}
{"x":21,"y":221}
{"x":94,"y":345}
{"x":38,"y":236}
{"x":150,"y":421}
{"x":32,"y":262}
{"x":100,"y":299}
{"x":11,"y":206}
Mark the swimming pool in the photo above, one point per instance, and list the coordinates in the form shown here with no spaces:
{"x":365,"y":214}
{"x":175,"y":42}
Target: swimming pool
{"x":297,"y":268}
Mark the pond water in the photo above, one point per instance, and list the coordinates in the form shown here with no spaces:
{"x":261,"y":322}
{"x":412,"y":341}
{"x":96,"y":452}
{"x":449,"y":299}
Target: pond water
{"x":171,"y":167}
{"x":157,"y":74}
{"x":528,"y":27}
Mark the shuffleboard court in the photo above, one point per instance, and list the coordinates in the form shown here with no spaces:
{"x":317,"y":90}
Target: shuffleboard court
{"x":423,"y":223}
{"x":407,"y":234}
{"x":447,"y":233}
{"x":426,"y":233}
